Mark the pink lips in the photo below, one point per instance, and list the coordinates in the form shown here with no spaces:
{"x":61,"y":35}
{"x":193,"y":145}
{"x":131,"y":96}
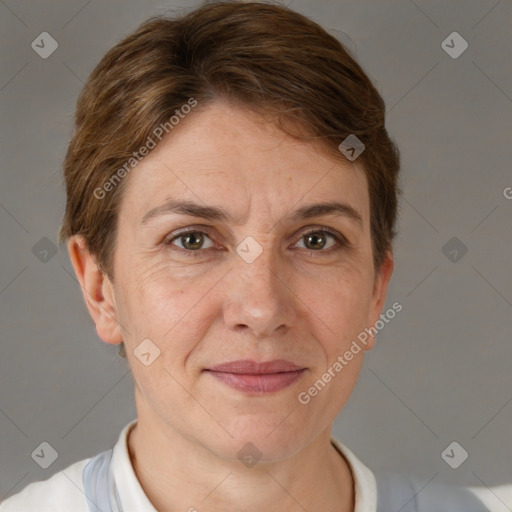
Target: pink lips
{"x":248,"y":375}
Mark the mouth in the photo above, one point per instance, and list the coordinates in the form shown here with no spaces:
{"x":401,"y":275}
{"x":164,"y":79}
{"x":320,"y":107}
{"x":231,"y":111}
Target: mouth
{"x":250,"y":376}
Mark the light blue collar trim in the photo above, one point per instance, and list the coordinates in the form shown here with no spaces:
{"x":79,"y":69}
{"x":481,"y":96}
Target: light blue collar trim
{"x":97,"y":485}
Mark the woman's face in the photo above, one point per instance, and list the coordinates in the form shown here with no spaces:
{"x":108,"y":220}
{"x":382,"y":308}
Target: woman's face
{"x":246,"y":284}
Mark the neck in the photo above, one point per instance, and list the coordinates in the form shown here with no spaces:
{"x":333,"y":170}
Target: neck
{"x":178,"y":474}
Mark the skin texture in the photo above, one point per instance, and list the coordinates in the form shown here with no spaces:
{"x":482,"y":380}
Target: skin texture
{"x":300,"y":301}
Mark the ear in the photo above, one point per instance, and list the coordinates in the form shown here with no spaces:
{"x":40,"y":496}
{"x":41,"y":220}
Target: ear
{"x":380,"y":288}
{"x":97,"y":289}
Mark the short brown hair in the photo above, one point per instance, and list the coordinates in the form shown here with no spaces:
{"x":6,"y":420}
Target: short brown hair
{"x":263,"y":57}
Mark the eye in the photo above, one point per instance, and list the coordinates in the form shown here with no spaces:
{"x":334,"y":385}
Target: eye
{"x":191,"y":241}
{"x":318,"y":240}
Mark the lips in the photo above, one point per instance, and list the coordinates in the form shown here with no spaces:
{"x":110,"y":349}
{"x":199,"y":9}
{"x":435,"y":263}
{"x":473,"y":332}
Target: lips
{"x":249,"y":367}
{"x":250,"y":376}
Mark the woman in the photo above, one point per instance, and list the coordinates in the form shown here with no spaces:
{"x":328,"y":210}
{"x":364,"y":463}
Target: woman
{"x":231,"y":204}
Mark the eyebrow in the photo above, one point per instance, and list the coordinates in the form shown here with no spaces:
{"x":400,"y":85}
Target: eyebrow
{"x":214,"y":213}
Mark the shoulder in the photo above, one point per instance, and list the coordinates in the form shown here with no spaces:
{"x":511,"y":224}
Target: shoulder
{"x":63,"y":491}
{"x":388,"y":491}
{"x":497,"y":498}
{"x":397,"y":491}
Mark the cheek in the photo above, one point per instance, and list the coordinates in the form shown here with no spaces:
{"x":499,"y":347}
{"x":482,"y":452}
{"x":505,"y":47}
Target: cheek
{"x":166,"y":309}
{"x":340,"y":310}
{"x":341,"y":306}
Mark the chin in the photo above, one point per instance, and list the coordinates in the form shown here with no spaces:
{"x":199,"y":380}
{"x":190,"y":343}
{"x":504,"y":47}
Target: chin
{"x":260,"y":441}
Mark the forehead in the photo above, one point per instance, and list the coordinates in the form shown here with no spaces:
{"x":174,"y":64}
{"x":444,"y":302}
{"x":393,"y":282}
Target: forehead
{"x":231,"y":157}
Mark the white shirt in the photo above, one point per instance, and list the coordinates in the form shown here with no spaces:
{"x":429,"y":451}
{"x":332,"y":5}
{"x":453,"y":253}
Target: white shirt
{"x":64,"y":491}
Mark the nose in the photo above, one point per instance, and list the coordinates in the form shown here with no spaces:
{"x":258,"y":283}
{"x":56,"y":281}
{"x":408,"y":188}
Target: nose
{"x":259,"y":299}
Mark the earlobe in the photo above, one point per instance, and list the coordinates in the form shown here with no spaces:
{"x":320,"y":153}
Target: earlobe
{"x":97,"y":291}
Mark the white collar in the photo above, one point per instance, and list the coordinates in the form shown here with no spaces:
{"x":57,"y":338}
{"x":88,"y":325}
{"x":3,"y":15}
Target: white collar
{"x":132,"y":496}
{"x":365,"y":486}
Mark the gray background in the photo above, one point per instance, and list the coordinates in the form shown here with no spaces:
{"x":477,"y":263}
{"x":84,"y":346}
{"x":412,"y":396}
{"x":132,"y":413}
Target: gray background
{"x":441,"y":369}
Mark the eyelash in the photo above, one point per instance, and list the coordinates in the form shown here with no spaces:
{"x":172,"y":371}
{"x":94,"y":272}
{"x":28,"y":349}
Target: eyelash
{"x":340,"y":240}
